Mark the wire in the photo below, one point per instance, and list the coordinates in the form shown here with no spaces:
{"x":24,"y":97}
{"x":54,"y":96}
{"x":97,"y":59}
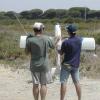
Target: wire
{"x":20,"y":24}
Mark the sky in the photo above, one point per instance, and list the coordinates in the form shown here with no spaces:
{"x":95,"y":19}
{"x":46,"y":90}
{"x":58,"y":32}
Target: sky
{"x":22,"y":5}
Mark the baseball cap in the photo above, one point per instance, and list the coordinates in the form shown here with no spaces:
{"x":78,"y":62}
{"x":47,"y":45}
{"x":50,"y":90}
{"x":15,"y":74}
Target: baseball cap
{"x":71,"y":28}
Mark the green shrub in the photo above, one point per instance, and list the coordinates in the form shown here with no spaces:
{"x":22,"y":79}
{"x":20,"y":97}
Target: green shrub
{"x":10,"y":31}
{"x":97,"y":38}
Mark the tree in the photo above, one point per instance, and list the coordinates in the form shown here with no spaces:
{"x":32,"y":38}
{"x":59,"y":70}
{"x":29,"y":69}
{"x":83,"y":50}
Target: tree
{"x":94,"y":14}
{"x":10,"y":14}
{"x":25,"y":14}
{"x":49,"y":14}
{"x":79,"y":10}
{"x":61,"y":13}
{"x":36,"y":13}
{"x":2,"y":15}
{"x":75,"y":14}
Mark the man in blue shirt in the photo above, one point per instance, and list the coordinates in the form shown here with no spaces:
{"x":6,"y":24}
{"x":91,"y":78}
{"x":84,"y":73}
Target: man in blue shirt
{"x":71,"y":49}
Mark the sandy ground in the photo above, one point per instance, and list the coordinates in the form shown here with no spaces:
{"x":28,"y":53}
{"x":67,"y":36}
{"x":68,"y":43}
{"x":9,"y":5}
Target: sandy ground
{"x":15,"y":85}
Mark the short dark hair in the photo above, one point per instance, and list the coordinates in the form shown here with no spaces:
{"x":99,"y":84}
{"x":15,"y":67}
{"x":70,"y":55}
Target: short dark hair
{"x":72,"y":33}
{"x":37,"y":30}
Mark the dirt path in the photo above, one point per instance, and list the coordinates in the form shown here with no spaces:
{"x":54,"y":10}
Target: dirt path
{"x":15,"y":85}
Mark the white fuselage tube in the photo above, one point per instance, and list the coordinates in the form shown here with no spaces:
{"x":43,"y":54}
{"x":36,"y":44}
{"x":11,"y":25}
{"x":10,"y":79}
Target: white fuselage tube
{"x":88,"y":43}
{"x":22,"y":43}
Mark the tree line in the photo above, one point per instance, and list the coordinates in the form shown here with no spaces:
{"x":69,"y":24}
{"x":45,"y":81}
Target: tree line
{"x":74,"y":12}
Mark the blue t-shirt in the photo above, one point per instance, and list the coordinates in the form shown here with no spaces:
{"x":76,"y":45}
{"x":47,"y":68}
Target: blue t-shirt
{"x":71,"y":48}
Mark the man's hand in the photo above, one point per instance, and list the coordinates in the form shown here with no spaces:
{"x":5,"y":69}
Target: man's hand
{"x":57,"y":39}
{"x":29,"y":35}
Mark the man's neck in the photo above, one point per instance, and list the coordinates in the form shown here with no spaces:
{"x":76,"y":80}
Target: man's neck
{"x":38,"y":34}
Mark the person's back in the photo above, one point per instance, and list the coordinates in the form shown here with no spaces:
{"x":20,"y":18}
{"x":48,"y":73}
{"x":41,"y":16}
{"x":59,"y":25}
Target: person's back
{"x":38,"y":46}
{"x":72,"y":49}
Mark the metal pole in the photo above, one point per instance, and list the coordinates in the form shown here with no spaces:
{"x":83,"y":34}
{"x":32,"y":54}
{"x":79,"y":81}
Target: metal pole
{"x":85,"y":14}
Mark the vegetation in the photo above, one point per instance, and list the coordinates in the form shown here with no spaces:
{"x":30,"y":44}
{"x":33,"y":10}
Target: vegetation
{"x":74,"y":12}
{"x":10,"y":30}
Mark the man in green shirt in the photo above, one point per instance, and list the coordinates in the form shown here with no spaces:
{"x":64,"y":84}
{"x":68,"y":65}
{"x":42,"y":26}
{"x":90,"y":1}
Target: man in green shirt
{"x":38,"y":47}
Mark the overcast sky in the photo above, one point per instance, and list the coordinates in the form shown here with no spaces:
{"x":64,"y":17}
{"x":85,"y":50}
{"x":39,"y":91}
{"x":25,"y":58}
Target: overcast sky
{"x":21,"y":5}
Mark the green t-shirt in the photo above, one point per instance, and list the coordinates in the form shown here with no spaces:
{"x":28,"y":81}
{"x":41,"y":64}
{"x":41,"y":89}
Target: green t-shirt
{"x":38,"y":47}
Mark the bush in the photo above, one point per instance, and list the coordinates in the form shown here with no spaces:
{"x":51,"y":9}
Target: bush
{"x":97,"y":38}
{"x":9,"y":46}
{"x":10,"y":34}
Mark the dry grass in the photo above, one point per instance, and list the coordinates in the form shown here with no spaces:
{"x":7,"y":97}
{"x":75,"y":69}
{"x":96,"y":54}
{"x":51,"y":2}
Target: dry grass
{"x":10,"y":32}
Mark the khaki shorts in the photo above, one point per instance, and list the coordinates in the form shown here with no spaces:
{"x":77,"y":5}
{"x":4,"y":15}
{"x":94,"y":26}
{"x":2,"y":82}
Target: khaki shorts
{"x":41,"y":77}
